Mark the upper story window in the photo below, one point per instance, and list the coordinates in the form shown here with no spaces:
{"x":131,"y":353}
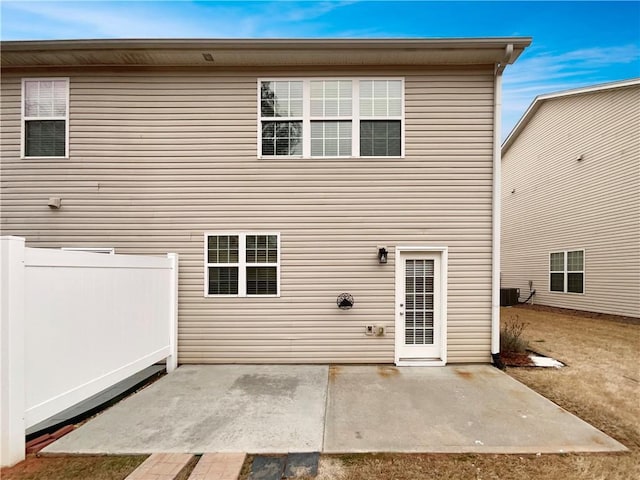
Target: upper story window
{"x":242,"y":264}
{"x":323,"y":118}
{"x":566,"y":271}
{"x":45,"y":117}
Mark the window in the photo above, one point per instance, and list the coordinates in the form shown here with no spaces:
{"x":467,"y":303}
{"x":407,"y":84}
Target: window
{"x":242,"y":264}
{"x":331,"y":107}
{"x":45,"y":117}
{"x":381,"y":118}
{"x":566,"y":271}
{"x":324,"y":118}
{"x":281,"y":112}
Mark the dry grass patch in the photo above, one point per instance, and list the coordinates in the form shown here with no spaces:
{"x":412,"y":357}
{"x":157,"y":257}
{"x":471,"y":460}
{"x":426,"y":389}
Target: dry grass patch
{"x":602,"y":381}
{"x":73,"y":468}
{"x":476,"y":466}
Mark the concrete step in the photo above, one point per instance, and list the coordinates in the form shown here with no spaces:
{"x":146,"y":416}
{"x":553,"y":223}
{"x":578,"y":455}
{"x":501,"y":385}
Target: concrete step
{"x":161,"y":466}
{"x":218,"y":466}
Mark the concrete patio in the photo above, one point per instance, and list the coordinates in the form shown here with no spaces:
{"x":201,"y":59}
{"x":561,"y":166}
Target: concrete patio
{"x":337,"y":409}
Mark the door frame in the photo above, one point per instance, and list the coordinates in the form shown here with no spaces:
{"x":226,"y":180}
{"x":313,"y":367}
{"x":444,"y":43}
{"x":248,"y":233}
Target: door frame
{"x":443,"y":253}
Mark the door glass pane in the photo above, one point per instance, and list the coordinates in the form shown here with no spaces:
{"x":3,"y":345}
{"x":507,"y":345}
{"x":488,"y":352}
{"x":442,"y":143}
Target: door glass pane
{"x":419,"y":306}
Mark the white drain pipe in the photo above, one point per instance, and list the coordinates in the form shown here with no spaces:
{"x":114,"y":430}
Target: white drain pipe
{"x":495,"y":205}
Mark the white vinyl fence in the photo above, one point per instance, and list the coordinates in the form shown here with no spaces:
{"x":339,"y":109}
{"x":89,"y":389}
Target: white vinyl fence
{"x":73,"y":324}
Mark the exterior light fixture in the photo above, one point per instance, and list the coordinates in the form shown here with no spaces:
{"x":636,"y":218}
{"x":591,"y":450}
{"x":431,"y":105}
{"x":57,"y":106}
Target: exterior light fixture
{"x":383,"y":254}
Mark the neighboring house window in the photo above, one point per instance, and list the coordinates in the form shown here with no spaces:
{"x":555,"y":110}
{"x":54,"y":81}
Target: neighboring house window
{"x":324,"y":118}
{"x":242,"y":264}
{"x":566,"y":271}
{"x":45,"y":117}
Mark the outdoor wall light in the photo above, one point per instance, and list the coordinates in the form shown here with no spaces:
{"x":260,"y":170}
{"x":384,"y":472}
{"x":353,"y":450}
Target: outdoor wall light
{"x":383,"y":254}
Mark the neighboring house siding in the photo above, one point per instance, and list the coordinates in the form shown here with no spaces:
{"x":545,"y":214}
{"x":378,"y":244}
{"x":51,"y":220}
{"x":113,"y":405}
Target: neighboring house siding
{"x":158,"y":158}
{"x":564,"y":204}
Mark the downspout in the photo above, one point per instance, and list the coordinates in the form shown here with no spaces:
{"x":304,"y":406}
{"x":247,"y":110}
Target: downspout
{"x":495,"y":207}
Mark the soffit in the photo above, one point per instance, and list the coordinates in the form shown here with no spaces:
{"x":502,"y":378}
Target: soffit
{"x":259,"y":53}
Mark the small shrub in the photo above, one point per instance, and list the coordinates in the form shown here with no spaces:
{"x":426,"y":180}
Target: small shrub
{"x":511,"y":340}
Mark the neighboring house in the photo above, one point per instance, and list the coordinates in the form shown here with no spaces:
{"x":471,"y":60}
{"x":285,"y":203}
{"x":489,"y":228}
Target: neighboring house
{"x":285,"y":173}
{"x":571,"y":200}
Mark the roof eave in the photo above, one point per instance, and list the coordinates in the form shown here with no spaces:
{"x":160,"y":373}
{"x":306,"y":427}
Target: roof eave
{"x":256,"y":52}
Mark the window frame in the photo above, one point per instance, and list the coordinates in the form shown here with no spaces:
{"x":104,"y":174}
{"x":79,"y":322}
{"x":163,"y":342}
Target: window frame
{"x":242,"y":264}
{"x":24,"y":119}
{"x":307,"y":118}
{"x":566,"y":271}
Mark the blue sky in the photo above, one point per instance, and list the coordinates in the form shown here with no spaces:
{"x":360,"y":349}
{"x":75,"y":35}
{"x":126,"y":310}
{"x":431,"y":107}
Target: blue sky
{"x":574,"y":43}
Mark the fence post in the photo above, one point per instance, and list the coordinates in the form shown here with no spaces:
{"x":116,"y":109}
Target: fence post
{"x":172,"y":359}
{"x":12,"y":364}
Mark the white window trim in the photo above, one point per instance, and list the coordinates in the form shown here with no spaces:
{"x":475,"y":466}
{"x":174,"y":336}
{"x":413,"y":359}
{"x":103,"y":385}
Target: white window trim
{"x":24,"y":119}
{"x":306,"y":118}
{"x":242,"y":264}
{"x":566,"y":271}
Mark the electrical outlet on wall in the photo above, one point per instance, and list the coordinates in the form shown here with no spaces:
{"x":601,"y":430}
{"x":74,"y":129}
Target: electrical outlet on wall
{"x":369,"y":330}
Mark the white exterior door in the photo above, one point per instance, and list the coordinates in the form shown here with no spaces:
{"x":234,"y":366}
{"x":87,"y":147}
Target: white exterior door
{"x":419,"y":309}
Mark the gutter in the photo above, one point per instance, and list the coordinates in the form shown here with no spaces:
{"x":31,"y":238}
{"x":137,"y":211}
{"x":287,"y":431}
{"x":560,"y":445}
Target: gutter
{"x":496,"y":210}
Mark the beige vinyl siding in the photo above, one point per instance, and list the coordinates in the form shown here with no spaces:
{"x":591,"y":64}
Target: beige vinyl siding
{"x":158,"y":158}
{"x":563,"y":204}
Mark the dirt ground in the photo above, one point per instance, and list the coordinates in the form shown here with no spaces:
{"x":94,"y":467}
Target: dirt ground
{"x":601,"y":384}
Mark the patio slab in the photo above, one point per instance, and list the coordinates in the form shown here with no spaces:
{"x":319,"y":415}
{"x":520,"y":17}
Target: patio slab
{"x":226,"y":408}
{"x":453,"y":409}
{"x":338,"y":409}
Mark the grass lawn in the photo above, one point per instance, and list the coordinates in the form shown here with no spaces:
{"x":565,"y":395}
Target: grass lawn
{"x":601,"y":384}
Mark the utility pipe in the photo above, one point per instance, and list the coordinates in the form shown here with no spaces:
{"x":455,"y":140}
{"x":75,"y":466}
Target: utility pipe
{"x":495,"y":205}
